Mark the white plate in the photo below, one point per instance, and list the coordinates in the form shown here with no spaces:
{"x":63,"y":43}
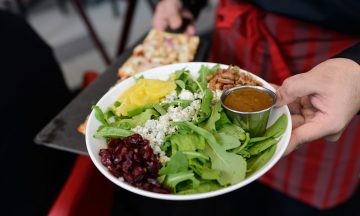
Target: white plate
{"x":94,"y":145}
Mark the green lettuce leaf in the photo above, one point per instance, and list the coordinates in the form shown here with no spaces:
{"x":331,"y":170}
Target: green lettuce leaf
{"x":139,"y":119}
{"x":204,"y":73}
{"x":224,"y":120}
{"x":233,"y":130}
{"x":187,"y":141}
{"x":278,"y":128}
{"x":227,"y":141}
{"x":177,"y":163}
{"x":186,"y":178}
{"x":231,"y":166}
{"x":205,"y":186}
{"x":261,"y":146}
{"x":260,"y":160}
{"x":215,"y":116}
{"x":205,"y":108}
{"x":112,"y":132}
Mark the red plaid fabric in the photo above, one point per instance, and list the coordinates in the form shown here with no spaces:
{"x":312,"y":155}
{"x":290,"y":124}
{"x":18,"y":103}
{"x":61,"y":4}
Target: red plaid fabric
{"x":322,"y":174}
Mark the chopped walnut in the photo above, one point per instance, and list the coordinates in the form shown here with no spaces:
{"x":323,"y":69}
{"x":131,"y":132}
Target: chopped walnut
{"x":224,"y":79}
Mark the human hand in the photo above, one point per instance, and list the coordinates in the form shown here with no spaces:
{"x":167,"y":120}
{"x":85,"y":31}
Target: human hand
{"x":171,"y":14}
{"x":322,"y":101}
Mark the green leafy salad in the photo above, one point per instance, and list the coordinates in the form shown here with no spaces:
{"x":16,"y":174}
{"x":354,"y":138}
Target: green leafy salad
{"x":198,"y":147}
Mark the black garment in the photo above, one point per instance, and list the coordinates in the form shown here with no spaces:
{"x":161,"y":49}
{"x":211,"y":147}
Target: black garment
{"x":352,"y":53}
{"x":33,"y":91}
{"x":339,"y":15}
{"x":194,"y":6}
{"x":252,"y":200}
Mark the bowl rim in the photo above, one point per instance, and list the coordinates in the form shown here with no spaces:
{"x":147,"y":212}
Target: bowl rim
{"x":181,"y":197}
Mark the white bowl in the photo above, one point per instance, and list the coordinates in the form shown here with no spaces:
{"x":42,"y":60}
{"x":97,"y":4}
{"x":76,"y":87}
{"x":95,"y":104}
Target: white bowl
{"x":94,"y":144}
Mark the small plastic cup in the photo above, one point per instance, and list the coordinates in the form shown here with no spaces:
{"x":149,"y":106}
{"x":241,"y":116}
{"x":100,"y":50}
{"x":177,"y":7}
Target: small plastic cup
{"x":252,"y":122}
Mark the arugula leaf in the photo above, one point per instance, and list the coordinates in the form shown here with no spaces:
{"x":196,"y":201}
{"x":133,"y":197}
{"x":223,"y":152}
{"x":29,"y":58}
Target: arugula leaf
{"x":99,"y":115}
{"x":138,"y":110}
{"x":231,"y":166}
{"x":117,"y":103}
{"x":196,"y":166}
{"x":204,"y":73}
{"x":261,"y":146}
{"x":244,"y":145}
{"x":205,"y":186}
{"x":180,"y":83}
{"x":215,"y":116}
{"x":205,"y":108}
{"x":259,"y":161}
{"x":179,"y":102}
{"x":178,"y":163}
{"x":227,"y":141}
{"x":138,"y":78}
{"x":258,"y":139}
{"x":159,"y":109}
{"x":233,"y":130}
{"x":189,"y":82}
{"x":109,"y":115}
{"x":193,"y":154}
{"x":139,"y":119}
{"x":210,"y":174}
{"x":224,"y":120}
{"x":187,"y":141}
{"x":244,"y":153}
{"x":188,"y":178}
{"x":112,"y":132}
{"x":278,"y":128}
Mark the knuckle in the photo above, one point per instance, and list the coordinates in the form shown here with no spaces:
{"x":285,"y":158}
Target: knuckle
{"x":286,"y":88}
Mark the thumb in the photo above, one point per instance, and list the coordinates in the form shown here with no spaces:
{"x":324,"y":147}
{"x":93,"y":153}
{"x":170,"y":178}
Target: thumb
{"x":294,"y":87}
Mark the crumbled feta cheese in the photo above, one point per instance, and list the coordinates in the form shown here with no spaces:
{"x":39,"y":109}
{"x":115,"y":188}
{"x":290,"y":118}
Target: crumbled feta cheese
{"x":156,"y":130}
{"x":216,"y":96}
{"x":170,"y":97}
{"x":163,"y":159}
{"x":198,"y":95}
{"x":186,"y":95}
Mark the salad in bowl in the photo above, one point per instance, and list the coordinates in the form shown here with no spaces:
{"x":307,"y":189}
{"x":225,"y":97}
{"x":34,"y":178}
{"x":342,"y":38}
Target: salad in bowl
{"x":164,"y":133}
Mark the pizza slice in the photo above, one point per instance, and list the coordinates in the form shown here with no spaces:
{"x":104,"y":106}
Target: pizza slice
{"x":160,"y":48}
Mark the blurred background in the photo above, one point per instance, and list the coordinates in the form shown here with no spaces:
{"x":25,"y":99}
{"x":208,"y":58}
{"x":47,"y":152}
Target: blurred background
{"x":62,"y":26}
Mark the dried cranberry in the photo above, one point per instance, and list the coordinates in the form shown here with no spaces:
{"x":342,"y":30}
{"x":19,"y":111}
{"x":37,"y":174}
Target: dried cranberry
{"x":133,"y":159}
{"x":105,"y":157}
{"x":135,"y":139}
{"x":126,"y":166}
{"x":128,"y":177}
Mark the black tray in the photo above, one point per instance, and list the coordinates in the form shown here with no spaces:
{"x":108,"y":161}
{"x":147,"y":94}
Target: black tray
{"x":61,"y":132}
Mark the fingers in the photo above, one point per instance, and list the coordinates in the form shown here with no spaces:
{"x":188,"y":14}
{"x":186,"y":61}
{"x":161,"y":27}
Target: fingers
{"x":175,"y":21}
{"x":297,"y":120}
{"x":159,"y":22}
{"x":167,"y":14}
{"x":190,"y":30}
{"x":172,"y":16}
{"x":307,"y":132}
{"x":295,"y":107}
{"x":296,"y":86}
